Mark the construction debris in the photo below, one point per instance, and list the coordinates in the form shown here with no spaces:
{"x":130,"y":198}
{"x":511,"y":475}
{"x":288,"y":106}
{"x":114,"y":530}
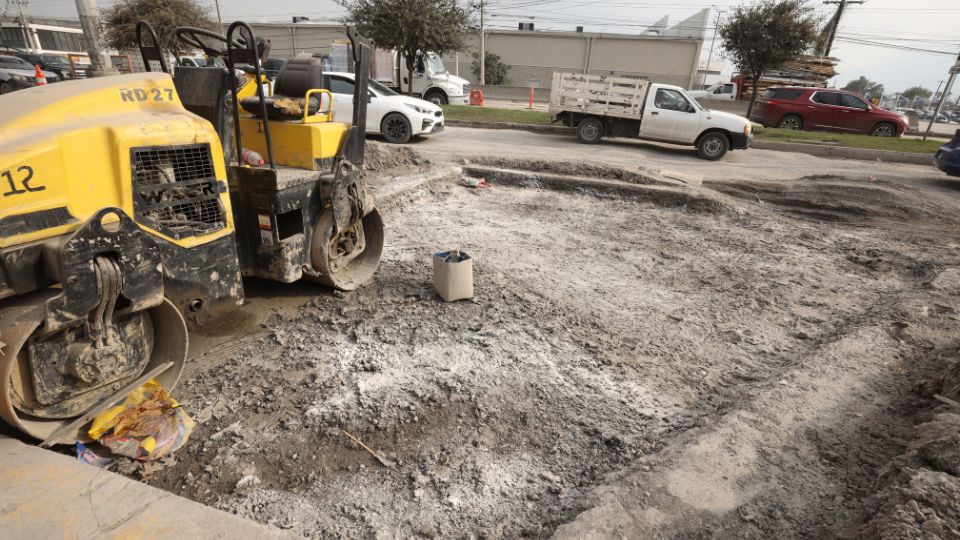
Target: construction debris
{"x":148,"y":425}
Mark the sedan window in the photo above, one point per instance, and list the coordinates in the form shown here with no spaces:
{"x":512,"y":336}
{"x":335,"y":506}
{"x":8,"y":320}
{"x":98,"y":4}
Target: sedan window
{"x":12,"y":62}
{"x":854,"y":101}
{"x":827,"y":98}
{"x":339,"y":85}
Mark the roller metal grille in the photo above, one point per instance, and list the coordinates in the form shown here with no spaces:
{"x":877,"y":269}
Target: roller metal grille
{"x":176,"y":191}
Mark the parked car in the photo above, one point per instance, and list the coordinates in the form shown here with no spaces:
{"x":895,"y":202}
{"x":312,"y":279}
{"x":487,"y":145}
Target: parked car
{"x":398,"y":118}
{"x":947,"y":158}
{"x":16,"y":74}
{"x":825,"y":109}
{"x":56,"y":63}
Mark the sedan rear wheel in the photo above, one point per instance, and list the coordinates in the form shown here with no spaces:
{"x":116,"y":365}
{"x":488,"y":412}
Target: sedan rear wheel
{"x":7,"y":87}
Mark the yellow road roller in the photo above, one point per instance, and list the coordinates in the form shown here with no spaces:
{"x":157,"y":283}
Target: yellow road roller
{"x":127,"y":216}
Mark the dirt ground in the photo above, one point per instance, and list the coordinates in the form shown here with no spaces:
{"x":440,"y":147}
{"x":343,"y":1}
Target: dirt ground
{"x":759,"y":361}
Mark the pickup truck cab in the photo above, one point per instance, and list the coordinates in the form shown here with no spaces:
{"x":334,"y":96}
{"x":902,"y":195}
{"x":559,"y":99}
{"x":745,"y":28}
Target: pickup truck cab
{"x":616,"y":106}
{"x":719,"y":91}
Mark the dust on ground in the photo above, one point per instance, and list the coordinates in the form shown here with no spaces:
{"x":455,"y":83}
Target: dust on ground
{"x":627,"y":368}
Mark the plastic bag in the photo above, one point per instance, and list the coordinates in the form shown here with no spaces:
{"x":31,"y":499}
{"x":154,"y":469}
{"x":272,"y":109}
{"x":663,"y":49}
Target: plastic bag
{"x":148,"y":425}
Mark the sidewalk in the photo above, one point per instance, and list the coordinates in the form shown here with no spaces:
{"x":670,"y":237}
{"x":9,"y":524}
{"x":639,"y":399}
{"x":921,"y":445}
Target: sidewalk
{"x":44,"y":494}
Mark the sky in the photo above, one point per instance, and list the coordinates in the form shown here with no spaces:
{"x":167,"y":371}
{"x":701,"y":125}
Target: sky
{"x":874,"y":39}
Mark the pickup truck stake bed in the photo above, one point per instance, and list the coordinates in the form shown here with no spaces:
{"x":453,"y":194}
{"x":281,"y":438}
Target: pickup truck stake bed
{"x":618,"y":106}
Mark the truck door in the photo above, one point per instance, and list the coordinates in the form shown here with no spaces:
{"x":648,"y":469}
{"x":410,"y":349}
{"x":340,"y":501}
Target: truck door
{"x":670,"y":117}
{"x":724,"y":91}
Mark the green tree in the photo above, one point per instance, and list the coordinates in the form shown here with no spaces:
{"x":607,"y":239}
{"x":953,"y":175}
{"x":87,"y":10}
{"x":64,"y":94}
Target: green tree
{"x":865,"y":87}
{"x":765,"y":35}
{"x":915,"y":92}
{"x":121,"y":18}
{"x":411,"y":27}
{"x":495,"y":70}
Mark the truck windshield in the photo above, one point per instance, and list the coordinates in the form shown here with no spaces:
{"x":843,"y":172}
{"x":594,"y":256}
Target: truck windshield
{"x":435,"y":64}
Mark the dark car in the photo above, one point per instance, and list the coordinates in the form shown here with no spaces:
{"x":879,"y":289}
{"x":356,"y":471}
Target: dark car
{"x":948,"y":157}
{"x":825,"y":109}
{"x":56,"y":63}
{"x":16,"y":73}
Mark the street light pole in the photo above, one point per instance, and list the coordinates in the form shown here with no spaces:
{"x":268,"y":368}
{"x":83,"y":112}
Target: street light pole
{"x":483,"y":49}
{"x":219,"y":19}
{"x":703,"y":80}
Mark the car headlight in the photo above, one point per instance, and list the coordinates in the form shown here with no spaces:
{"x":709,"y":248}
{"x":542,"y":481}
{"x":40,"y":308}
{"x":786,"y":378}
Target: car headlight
{"x":21,"y":78}
{"x":748,"y":129}
{"x":419,"y":109}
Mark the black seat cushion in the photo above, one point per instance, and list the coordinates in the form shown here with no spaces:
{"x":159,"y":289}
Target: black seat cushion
{"x":298,"y":75}
{"x":280,"y":107}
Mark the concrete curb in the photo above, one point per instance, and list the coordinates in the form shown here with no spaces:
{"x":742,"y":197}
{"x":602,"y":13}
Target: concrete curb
{"x":841,"y":152}
{"x":49,"y":495}
{"x":535,"y":128}
{"x":824,"y":151}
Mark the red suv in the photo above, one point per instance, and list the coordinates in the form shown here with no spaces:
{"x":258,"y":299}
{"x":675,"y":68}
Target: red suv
{"x":825,"y":109}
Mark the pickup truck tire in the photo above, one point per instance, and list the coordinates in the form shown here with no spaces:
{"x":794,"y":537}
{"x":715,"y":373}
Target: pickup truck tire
{"x":436,"y":97}
{"x":590,"y":131}
{"x":883,"y":129}
{"x":713,"y":145}
{"x":790,"y":121}
{"x":396,"y":128}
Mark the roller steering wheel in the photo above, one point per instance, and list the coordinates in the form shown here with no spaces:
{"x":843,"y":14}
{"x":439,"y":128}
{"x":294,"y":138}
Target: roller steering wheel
{"x":194,"y":37}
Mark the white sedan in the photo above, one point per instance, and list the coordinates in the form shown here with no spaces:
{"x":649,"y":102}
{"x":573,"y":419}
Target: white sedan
{"x":398,"y":118}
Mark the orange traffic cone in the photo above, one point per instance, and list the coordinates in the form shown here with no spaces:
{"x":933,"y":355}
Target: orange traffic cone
{"x":40,"y":77}
{"x":476,"y":97}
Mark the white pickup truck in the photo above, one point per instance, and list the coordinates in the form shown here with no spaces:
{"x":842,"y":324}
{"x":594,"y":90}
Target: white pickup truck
{"x":721,"y":91}
{"x":618,"y":106}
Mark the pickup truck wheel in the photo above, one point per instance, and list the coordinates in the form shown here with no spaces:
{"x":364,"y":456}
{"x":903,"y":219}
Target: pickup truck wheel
{"x":713,"y":146}
{"x":437,"y":98}
{"x":590,"y":131}
{"x":883,"y":129}
{"x":396,"y":128}
{"x":790,"y":121}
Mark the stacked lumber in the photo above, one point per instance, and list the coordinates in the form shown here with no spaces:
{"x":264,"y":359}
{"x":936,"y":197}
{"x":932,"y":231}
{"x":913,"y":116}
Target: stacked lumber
{"x":803,"y":71}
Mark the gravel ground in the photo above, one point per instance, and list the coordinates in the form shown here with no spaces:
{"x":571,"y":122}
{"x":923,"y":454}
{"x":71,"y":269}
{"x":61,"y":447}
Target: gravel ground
{"x":628,"y":367}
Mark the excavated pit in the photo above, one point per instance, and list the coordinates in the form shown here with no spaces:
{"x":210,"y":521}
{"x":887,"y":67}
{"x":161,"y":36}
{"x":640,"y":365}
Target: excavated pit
{"x":656,"y":360}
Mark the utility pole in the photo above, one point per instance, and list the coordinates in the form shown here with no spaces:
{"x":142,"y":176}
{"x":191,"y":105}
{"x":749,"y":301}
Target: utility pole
{"x":24,"y":26}
{"x":841,"y":5}
{"x":92,"y":40}
{"x":939,"y":84}
{"x":703,"y":81}
{"x":220,"y":20}
{"x":483,"y":49}
{"x":943,"y":97}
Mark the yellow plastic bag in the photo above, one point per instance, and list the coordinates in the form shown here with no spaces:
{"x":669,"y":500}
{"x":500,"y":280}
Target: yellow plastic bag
{"x":148,"y":425}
